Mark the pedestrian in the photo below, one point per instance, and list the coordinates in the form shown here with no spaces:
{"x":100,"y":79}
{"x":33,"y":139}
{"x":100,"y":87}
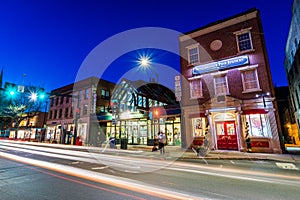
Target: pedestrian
{"x":161,"y":142}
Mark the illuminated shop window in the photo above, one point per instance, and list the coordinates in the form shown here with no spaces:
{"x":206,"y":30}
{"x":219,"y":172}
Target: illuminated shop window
{"x":198,"y":127}
{"x":196,"y":88}
{"x":193,"y":54}
{"x":257,"y":125}
{"x":250,"y":80}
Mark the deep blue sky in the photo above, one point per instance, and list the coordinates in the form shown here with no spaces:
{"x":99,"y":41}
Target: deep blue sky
{"x":49,"y":40}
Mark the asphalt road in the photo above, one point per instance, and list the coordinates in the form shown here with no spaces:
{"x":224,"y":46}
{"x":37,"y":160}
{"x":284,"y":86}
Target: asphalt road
{"x":154,"y":177}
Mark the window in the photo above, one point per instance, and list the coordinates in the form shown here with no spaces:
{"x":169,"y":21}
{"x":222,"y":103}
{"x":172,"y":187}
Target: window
{"x":86,"y":94}
{"x":85,"y":109}
{"x":56,"y":100}
{"x":61,"y":100}
{"x":66,"y":111}
{"x":196,"y":88}
{"x":250,"y":80}
{"x":193,"y":54}
{"x":105,"y":94}
{"x":60,"y":114}
{"x":80,"y":95}
{"x":257,"y":125}
{"x":198,"y":126}
{"x":50,"y":115}
{"x":244,"y":40}
{"x":221,"y":86}
{"x":55,"y":114}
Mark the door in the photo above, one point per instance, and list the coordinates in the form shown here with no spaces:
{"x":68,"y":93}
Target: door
{"x":226,"y":135}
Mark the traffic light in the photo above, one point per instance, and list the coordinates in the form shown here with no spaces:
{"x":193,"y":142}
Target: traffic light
{"x":114,"y":107}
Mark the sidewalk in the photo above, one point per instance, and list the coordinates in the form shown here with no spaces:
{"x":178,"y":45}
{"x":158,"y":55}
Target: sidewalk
{"x":174,"y":151}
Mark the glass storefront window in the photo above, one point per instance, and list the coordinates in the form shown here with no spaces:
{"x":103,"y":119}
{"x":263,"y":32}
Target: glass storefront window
{"x":257,"y":125}
{"x":198,"y":126}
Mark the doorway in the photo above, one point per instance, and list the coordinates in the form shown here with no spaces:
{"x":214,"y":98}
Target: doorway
{"x":226,"y":135}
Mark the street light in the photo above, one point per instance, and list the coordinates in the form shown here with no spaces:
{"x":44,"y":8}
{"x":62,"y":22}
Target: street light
{"x":263,"y":95}
{"x":145,"y":63}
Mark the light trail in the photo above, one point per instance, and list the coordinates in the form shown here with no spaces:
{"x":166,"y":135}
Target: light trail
{"x":120,"y":182}
{"x":138,"y":165}
{"x":122,"y":163}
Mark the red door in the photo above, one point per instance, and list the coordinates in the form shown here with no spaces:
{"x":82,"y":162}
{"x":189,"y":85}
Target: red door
{"x":226,"y":135}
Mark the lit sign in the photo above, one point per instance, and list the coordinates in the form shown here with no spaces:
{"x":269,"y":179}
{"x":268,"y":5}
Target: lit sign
{"x":222,"y":64}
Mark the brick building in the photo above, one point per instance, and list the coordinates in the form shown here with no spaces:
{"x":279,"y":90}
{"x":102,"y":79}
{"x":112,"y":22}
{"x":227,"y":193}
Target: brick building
{"x":227,"y":91}
{"x":292,"y":68}
{"x":79,"y":102}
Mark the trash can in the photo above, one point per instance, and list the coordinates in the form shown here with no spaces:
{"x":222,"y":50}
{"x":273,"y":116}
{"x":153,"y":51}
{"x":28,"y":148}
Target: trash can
{"x":124,"y":143}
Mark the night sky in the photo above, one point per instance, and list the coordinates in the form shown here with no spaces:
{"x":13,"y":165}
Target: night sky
{"x":44,"y":43}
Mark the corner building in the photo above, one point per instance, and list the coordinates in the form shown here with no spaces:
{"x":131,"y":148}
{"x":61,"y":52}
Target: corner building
{"x":227,"y":90}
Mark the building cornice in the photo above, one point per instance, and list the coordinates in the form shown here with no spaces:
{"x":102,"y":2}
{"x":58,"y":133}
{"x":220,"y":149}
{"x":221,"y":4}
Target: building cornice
{"x":219,"y":26}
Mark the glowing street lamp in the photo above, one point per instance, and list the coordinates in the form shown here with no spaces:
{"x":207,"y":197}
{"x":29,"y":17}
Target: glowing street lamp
{"x":263,"y":95}
{"x":145,"y":63}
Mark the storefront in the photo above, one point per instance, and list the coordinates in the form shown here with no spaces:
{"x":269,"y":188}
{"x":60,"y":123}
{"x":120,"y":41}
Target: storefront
{"x":226,"y":129}
{"x":139,"y":112}
{"x":142,"y":131}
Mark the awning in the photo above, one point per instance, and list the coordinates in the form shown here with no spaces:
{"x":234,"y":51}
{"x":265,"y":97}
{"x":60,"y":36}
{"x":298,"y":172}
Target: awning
{"x":254,"y":111}
{"x":104,"y":117}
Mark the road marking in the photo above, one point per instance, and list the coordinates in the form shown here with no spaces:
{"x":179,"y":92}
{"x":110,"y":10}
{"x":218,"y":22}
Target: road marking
{"x":287,"y":166}
{"x":104,"y":167}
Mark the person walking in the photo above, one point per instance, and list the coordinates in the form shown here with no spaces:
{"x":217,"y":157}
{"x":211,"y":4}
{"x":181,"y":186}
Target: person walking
{"x":161,"y":142}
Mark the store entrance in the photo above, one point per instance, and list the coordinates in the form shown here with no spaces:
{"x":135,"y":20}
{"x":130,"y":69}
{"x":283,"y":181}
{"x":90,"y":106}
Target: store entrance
{"x":226,"y":135}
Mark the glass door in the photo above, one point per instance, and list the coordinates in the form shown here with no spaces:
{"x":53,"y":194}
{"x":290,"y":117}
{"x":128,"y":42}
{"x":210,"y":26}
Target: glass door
{"x":226,"y":135}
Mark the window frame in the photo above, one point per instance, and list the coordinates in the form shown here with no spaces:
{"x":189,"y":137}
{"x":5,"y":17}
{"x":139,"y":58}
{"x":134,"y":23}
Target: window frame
{"x":246,"y":69}
{"x":194,"y":46}
{"x":226,"y":84}
{"x":263,"y":124}
{"x":241,"y":32}
{"x":192,"y":90}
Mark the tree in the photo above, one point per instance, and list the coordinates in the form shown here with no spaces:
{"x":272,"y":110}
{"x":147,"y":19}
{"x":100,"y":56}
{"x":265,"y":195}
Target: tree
{"x":19,"y":103}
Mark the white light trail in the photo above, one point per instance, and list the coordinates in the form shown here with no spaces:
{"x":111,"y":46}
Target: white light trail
{"x":119,"y":182}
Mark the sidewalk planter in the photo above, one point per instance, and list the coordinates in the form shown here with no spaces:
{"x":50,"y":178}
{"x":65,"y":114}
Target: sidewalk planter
{"x":259,"y":144}
{"x":197,"y":141}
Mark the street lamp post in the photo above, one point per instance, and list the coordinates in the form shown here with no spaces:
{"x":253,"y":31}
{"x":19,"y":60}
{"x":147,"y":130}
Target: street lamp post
{"x":263,"y":95}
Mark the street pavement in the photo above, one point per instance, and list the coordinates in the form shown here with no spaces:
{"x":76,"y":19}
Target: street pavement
{"x":174,"y":151}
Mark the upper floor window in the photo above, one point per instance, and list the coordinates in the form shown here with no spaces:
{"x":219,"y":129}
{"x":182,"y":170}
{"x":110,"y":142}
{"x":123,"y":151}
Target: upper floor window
{"x":56,"y":101}
{"x":85,"y":109}
{"x":105,"y":94}
{"x":221,"y":85}
{"x":86,"y":94}
{"x":196,"y":88}
{"x":250,"y":80}
{"x":80,"y":95}
{"x":244,"y":40}
{"x":193,"y":54}
{"x":66,"y":112}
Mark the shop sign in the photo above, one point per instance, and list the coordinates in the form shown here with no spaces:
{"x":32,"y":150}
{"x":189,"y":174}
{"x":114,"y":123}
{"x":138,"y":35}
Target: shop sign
{"x":178,"y":93}
{"x":222,"y":64}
